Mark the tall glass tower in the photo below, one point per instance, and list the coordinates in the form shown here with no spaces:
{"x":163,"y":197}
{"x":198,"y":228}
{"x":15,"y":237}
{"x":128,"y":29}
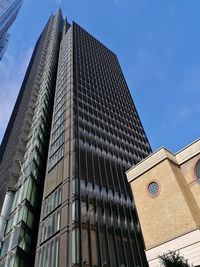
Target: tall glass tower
{"x":87,"y":216}
{"x":8,"y":13}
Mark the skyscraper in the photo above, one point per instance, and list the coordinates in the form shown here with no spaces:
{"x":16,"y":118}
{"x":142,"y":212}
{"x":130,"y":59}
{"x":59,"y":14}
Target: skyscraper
{"x":87,"y":216}
{"x":24,"y":148}
{"x":8,"y":12}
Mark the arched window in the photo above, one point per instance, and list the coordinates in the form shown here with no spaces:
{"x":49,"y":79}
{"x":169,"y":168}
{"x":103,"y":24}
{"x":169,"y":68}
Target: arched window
{"x":197,"y":170}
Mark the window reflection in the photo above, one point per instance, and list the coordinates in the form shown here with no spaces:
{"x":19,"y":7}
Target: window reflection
{"x":48,"y":254}
{"x":75,"y":246}
{"x":51,"y":202}
{"x":50,"y":226}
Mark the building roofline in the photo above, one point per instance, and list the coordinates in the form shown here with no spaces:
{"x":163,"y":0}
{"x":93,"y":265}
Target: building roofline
{"x":145,"y":159}
{"x":161,"y":154}
{"x":190,"y":144}
{"x":151,"y":161}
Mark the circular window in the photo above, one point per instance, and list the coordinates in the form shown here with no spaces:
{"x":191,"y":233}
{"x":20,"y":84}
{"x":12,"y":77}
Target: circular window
{"x":197,"y":170}
{"x":153,"y":188}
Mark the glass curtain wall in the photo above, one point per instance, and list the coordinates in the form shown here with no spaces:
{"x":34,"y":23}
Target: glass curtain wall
{"x":19,"y":237}
{"x":88,"y":216}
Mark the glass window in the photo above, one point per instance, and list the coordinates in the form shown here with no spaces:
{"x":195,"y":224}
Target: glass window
{"x":75,"y":246}
{"x":56,"y":252}
{"x":38,"y":259}
{"x":50,"y":225}
{"x":53,"y":253}
{"x":34,"y":170}
{"x":197,"y":170}
{"x":24,"y":241}
{"x":75,"y":210}
{"x":51,"y":202}
{"x":33,"y":195}
{"x":44,"y":256}
{"x":25,"y":214}
{"x":14,"y":205}
{"x":57,"y":221}
{"x":47,"y":255}
{"x":29,"y":188}
{"x":24,"y":190}
{"x":30,"y":219}
{"x":11,"y":242}
{"x":153,"y":188}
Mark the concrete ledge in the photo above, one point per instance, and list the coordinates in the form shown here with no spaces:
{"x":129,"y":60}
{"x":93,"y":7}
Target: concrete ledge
{"x":188,"y":245}
{"x":161,"y":154}
{"x":188,"y":152}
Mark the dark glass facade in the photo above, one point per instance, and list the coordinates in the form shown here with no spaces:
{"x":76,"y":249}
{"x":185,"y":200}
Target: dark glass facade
{"x":8,"y":12}
{"x":29,"y":126}
{"x":87,"y":216}
{"x":96,"y":136}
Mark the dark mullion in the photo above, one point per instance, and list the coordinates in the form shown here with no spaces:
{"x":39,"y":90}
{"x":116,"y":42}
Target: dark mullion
{"x":107,"y":239}
{"x":99,"y":252}
{"x":89,"y":240}
{"x":115,"y":239}
{"x":136,"y":238}
{"x":112,"y":178}
{"x":128,"y":234}
{"x":129,"y":241}
{"x":117,"y":177}
{"x":122,"y":177}
{"x":115,"y":236}
{"x":89,"y":223}
{"x":94,"y":178}
{"x":121,"y":233}
{"x":97,"y":223}
{"x":105,"y":168}
{"x":104,"y":210}
{"x":100,"y":174}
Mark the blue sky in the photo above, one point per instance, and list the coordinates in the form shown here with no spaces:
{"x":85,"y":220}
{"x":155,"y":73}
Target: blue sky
{"x":158,"y":46}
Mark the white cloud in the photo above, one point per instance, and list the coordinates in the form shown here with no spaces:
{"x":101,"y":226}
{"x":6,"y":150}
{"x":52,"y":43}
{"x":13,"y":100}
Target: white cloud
{"x":12,"y":70}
